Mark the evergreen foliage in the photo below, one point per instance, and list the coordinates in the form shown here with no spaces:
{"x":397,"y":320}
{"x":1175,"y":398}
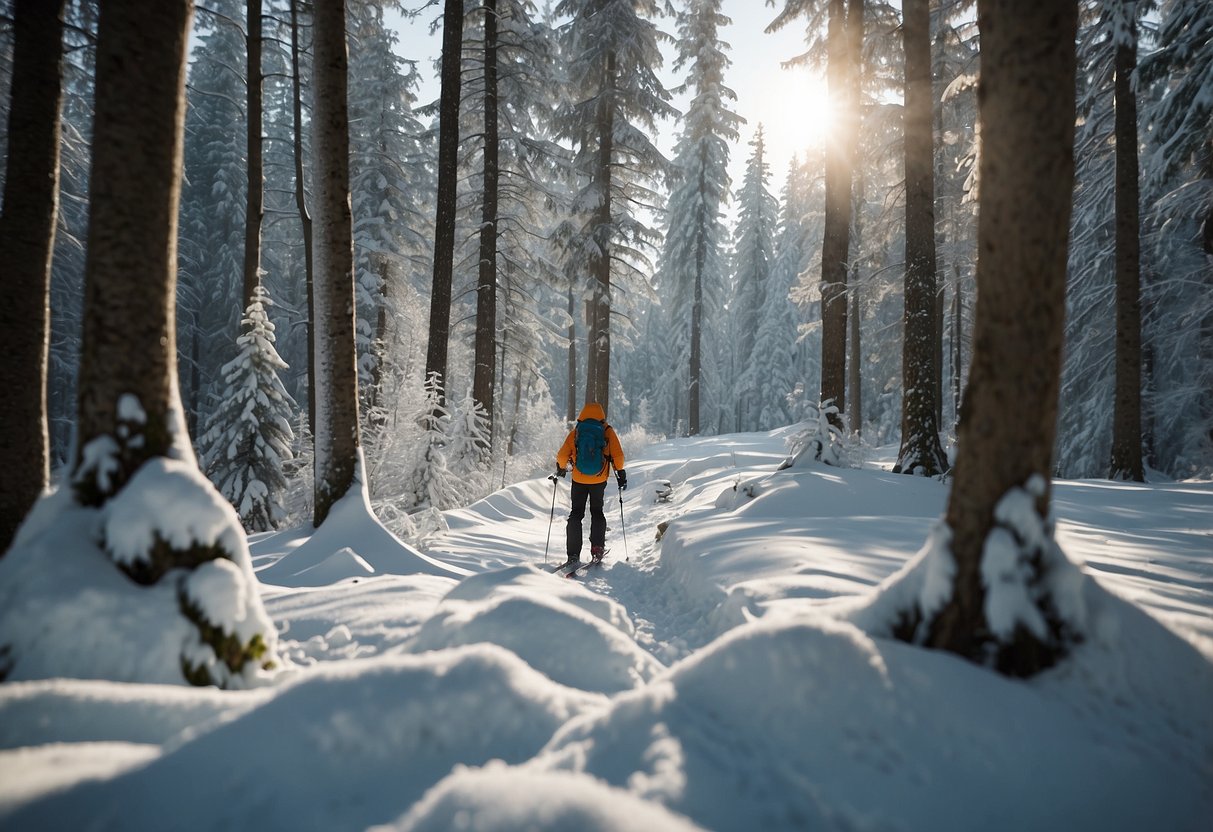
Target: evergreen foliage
{"x":248,"y":439}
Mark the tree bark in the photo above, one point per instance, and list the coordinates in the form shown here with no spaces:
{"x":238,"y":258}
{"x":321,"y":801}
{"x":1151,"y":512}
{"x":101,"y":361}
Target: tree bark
{"x":920,"y":451}
{"x":337,"y":438}
{"x":27,"y":241}
{"x":484,"y":376}
{"x":305,"y":219}
{"x":845,"y":40}
{"x":448,"y":174}
{"x":571,"y":389}
{"x":128,"y":395}
{"x":1126,"y":463}
{"x":255,"y":200}
{"x":1026,"y":105}
{"x":598,"y":350}
{"x":696,"y":370}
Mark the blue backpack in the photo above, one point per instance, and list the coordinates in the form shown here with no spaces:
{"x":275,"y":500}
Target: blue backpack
{"x":590,"y":446}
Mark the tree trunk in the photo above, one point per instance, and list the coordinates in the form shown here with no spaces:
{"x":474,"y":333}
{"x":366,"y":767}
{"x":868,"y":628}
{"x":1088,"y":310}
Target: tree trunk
{"x":694,"y":386}
{"x":571,"y":407}
{"x":337,"y":439}
{"x":1126,"y":419}
{"x":845,"y":40}
{"x":1026,"y":100}
{"x":27,"y":242}
{"x":128,"y":394}
{"x":920,"y":449}
{"x":255,"y":203}
{"x":957,"y":342}
{"x":599,"y":347}
{"x":484,"y":376}
{"x":305,"y":219}
{"x":854,"y":376}
{"x":448,"y":175}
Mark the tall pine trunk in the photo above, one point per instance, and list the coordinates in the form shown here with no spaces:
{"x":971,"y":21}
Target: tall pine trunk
{"x":598,"y":350}
{"x":484,"y":376}
{"x":844,"y":44}
{"x":920,"y":451}
{"x":337,"y":438}
{"x":1126,"y":461}
{"x":305,"y":219}
{"x":255,"y":199}
{"x":696,"y":369}
{"x":571,"y":388}
{"x":27,"y":241}
{"x":128,"y":401}
{"x":448,"y":175}
{"x":1026,"y":105}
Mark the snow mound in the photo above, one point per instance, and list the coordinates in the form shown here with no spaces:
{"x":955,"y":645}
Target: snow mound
{"x":67,"y":611}
{"x":99,"y":711}
{"x":563,"y":641}
{"x":341,"y":748}
{"x":812,"y":724}
{"x":529,"y":580}
{"x":351,"y":527}
{"x":502,"y":799}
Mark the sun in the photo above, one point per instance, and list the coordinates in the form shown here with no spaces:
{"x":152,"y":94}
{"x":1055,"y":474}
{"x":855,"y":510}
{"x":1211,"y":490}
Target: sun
{"x":795,"y":111}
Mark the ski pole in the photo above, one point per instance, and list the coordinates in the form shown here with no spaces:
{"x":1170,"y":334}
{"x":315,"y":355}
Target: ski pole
{"x":550,"y":519}
{"x":622,"y":527}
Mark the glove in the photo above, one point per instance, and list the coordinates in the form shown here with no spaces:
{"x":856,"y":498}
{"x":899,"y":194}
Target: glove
{"x":621,"y":477}
{"x":560,"y":472}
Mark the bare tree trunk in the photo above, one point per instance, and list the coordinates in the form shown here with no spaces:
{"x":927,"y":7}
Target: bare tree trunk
{"x":598,"y":357}
{"x":1126,"y":419}
{"x":305,"y":219}
{"x":571,"y":407}
{"x":128,"y":394}
{"x":1026,"y":96}
{"x":854,"y":374}
{"x":920,"y":449}
{"x":337,"y":438}
{"x":845,"y":40}
{"x":448,"y":174}
{"x":696,"y":370}
{"x":27,"y":242}
{"x":957,"y":341}
{"x":255,"y":203}
{"x":484,"y":376}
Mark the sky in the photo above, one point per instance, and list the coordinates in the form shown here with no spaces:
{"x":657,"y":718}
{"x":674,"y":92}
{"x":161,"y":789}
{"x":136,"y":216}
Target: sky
{"x":735,"y":674}
{"x":789,"y":103}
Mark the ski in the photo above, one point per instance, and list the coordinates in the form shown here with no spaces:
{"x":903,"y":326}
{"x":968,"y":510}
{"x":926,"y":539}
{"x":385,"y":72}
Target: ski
{"x":585,"y":565}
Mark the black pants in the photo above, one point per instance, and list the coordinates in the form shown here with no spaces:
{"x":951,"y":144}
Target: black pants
{"x":580,"y":493}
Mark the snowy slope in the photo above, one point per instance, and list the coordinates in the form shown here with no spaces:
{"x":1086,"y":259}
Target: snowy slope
{"x":713,"y":679}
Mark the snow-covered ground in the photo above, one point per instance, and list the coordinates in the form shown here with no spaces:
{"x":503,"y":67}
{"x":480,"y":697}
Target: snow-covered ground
{"x":713,"y":679}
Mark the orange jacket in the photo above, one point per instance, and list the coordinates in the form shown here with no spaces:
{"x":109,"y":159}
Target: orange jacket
{"x":613,"y":453}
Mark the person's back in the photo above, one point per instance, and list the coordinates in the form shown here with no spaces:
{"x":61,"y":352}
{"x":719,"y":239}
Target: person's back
{"x":592,"y":449}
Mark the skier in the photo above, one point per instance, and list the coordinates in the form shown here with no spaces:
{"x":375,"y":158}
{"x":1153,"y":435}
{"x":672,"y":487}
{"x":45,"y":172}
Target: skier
{"x":593,"y":448}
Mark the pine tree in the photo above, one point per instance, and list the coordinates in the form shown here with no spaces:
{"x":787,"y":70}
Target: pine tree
{"x":213,"y":202}
{"x":386,"y":180}
{"x":132,"y":435}
{"x":612,"y":55}
{"x":337,"y":434}
{"x":248,"y":438}
{"x":753,"y":256}
{"x":1027,"y":123}
{"x":920,"y":451}
{"x":1177,"y":168}
{"x":436,"y":359}
{"x":693,"y":262}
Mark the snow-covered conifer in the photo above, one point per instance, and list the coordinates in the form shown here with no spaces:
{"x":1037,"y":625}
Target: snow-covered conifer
{"x":692,"y":266}
{"x":248,"y":438}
